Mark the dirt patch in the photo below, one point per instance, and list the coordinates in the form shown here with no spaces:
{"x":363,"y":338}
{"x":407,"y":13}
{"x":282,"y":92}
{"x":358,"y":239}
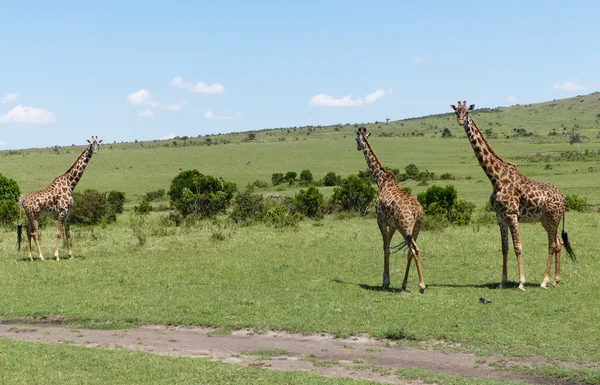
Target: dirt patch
{"x":360,"y":357}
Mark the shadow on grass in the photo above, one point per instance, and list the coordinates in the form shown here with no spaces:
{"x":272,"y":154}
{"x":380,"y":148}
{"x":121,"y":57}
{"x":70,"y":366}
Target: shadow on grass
{"x":371,"y":287}
{"x":50,"y":259}
{"x":493,"y":285}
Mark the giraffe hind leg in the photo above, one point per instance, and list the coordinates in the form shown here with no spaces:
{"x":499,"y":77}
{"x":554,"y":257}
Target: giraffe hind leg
{"x":58,"y":235}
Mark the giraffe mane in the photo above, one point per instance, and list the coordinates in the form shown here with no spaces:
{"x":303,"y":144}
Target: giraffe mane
{"x":489,"y":146}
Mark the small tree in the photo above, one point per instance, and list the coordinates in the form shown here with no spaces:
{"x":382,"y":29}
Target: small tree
{"x":9,"y":198}
{"x":290,"y":176}
{"x":193,"y":192}
{"x":306,"y":176}
{"x":90,"y":208}
{"x":412,"y":172}
{"x":116,"y":200}
{"x":354,"y":194}
{"x":277,"y":178}
{"x":331,"y":179}
{"x":310,"y":202}
{"x":248,"y":207}
{"x":446,"y":133}
{"x":442,"y":202}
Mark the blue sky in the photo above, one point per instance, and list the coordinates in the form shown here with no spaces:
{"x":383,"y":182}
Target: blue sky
{"x":126,"y":70}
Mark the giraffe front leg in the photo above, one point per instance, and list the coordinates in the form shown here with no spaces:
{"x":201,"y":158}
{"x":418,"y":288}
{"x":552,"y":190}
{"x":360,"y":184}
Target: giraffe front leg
{"x":387,"y":237}
{"x":29,"y":256}
{"x":58,"y":235}
{"x":513,"y":225}
{"x":35,"y":233}
{"x":68,"y":236}
{"x":504,"y":239}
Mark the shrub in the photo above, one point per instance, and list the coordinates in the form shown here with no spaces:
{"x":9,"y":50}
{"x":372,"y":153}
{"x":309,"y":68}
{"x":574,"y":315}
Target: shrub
{"x":310,"y":202}
{"x":306,"y":176}
{"x":290,"y":176}
{"x":575,"y":202}
{"x":248,"y":207}
{"x":90,"y":208}
{"x":277,"y":178}
{"x":259,"y":184}
{"x":278,"y":216}
{"x":194,"y":193}
{"x":9,"y":198}
{"x":412,"y":172}
{"x":354,"y":194}
{"x":331,"y":179}
{"x":154,"y":195}
{"x":443,"y":202}
{"x":143,"y":208}
{"x":447,"y":176}
{"x":446,"y":133}
{"x":116,"y":200}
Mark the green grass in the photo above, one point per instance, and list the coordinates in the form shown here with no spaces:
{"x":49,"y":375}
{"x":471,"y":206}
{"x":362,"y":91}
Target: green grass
{"x":323,"y":278}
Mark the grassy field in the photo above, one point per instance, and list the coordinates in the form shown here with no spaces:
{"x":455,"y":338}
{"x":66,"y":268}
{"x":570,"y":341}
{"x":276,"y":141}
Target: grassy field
{"x":323,"y":276}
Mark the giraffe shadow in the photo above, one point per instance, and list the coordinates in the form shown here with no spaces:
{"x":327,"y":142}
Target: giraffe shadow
{"x":364,"y":286}
{"x":491,"y":286}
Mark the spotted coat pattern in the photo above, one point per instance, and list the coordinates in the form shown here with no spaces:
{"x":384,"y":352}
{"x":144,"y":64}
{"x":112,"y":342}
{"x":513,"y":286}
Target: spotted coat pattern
{"x":56,"y":198}
{"x":396,"y":210}
{"x":516,"y":198}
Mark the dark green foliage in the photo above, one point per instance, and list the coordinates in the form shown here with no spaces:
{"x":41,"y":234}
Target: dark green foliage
{"x":259,"y":184}
{"x":576,"y":203}
{"x":331,"y":179}
{"x":354,"y":194}
{"x":446,"y":133}
{"x":290,"y":176}
{"x":306,"y":177}
{"x":116,"y":200}
{"x":248,"y":207}
{"x":447,"y":176}
{"x":278,"y":215}
{"x":9,"y":198}
{"x":153,"y":195}
{"x":194,"y":193}
{"x":91,"y":208}
{"x":277,"y":178}
{"x":310,"y":203}
{"x":411,"y":172}
{"x":442,"y":204}
{"x":143,"y":208}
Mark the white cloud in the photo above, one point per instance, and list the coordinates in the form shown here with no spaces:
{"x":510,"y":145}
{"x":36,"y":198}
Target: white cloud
{"x":9,"y":98}
{"x":570,"y":85}
{"x":142,"y":98}
{"x":211,"y":115}
{"x":324,"y":100}
{"x":372,"y":98}
{"x":31,"y":115}
{"x":418,"y":60}
{"x":146,"y":113}
{"x":168,"y":136}
{"x":512,"y":99}
{"x":200,"y":87}
{"x":171,"y":107}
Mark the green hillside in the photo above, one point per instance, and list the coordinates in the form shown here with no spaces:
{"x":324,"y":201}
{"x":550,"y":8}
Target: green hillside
{"x":534,"y":136}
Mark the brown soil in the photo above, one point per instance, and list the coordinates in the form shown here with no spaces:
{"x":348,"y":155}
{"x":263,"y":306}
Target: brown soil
{"x":324,"y":355}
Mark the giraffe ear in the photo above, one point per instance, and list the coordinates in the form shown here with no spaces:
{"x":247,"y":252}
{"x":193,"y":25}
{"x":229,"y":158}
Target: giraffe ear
{"x":89,"y":141}
{"x":471,"y":107}
{"x":369,"y":134}
{"x":100,"y":141}
{"x":453,"y":107}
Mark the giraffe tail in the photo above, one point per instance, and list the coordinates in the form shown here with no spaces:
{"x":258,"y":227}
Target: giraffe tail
{"x":19,"y":235}
{"x":565,"y":238}
{"x":401,"y":246}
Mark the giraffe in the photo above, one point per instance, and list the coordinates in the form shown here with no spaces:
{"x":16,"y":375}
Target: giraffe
{"x":396,"y":210}
{"x":516,"y":198}
{"x":56,"y":198}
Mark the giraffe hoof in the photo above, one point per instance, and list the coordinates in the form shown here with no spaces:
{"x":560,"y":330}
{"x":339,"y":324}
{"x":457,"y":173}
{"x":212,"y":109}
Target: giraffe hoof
{"x":422,"y":290}
{"x":521,"y":287}
{"x":543,"y":285}
{"x":501,"y":285}
{"x":555,"y":283}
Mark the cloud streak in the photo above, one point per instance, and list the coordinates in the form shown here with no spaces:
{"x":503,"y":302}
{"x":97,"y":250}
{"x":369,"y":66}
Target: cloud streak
{"x":28,"y":115}
{"x":571,"y":85}
{"x":211,"y":115}
{"x":9,"y":98}
{"x":324,"y":100}
{"x":200,"y":87}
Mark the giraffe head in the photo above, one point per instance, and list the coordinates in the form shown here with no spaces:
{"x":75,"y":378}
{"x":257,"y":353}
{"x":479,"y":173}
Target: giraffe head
{"x":361,"y":138}
{"x":94,"y":144}
{"x":462,"y":111}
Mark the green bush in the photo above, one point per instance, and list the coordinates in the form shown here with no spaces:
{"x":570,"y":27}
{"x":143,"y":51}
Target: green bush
{"x":143,"y":208}
{"x":154,"y":195}
{"x":306,"y":176}
{"x":248,"y":207}
{"x":354,"y":194}
{"x":331,"y":179}
{"x":277,"y":178}
{"x":116,"y":200}
{"x":290,"y":176}
{"x":9,"y":198}
{"x":90,"y":208}
{"x":310,"y":203}
{"x":443,"y":202}
{"x":278,"y":215}
{"x":259,"y":184}
{"x":576,"y":203}
{"x":194,"y":193}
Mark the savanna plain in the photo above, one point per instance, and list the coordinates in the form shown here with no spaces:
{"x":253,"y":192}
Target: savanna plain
{"x":320,"y":276}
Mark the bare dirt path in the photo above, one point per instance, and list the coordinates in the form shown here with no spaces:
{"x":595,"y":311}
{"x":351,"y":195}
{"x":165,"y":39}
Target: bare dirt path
{"x":341,"y":356}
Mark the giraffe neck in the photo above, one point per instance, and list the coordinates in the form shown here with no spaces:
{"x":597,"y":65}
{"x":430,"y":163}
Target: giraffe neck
{"x":492,"y":164}
{"x":375,"y":166}
{"x":74,"y":173}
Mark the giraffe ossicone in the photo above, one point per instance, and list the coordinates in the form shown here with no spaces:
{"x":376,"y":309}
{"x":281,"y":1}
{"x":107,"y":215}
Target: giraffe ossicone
{"x":396,"y":210}
{"x":56,"y":198}
{"x":516,"y":198}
